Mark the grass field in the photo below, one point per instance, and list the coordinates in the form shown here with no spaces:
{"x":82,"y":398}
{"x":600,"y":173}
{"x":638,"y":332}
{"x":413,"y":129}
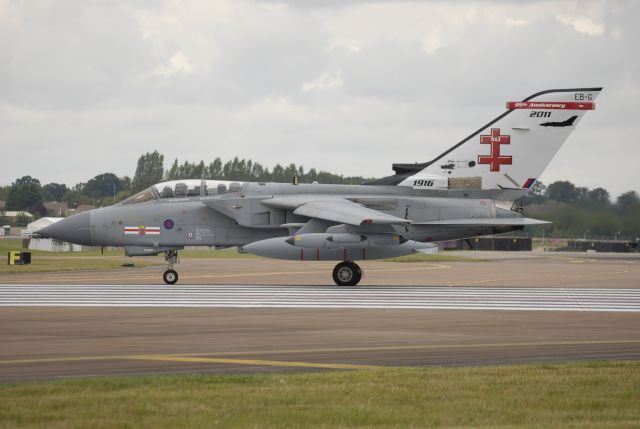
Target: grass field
{"x":42,"y":261}
{"x":16,"y":244}
{"x":95,"y":259}
{"x":75,"y":263}
{"x":580,"y":395}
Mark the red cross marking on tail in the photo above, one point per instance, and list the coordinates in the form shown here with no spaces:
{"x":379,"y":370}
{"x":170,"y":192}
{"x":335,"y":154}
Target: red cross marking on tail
{"x":495,"y":159}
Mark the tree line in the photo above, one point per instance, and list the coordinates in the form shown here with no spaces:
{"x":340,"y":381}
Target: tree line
{"x":582,"y":212}
{"x":150,"y":170}
{"x":575,"y":211}
{"x":28,"y":194}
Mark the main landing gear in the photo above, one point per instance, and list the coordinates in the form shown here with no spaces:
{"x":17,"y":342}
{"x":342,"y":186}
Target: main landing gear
{"x":347,"y":273}
{"x":170,"y":276}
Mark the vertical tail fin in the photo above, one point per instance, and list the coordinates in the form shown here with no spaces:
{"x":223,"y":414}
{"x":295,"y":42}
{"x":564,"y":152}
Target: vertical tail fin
{"x":511,"y":151}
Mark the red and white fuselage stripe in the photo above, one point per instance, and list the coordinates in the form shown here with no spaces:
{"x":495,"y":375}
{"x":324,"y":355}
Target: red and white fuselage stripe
{"x":142,"y":230}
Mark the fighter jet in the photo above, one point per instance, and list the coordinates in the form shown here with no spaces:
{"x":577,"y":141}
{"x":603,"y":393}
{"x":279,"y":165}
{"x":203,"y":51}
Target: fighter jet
{"x":392,"y":216}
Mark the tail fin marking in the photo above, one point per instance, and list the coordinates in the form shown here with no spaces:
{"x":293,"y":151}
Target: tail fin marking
{"x":514,"y":148}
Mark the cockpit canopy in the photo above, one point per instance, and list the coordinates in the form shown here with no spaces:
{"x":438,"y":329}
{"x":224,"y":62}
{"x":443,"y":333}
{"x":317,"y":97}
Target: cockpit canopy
{"x":185,"y":189}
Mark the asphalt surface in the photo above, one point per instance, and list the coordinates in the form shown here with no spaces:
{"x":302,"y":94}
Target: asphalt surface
{"x":285,"y":316}
{"x":506,"y":269}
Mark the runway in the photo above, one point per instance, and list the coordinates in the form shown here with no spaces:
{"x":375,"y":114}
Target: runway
{"x":524,"y":271}
{"x":328,"y":297}
{"x":239,"y":316}
{"x":56,"y":342}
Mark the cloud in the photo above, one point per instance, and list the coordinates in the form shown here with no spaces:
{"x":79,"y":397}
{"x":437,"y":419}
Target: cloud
{"x":514,"y":22}
{"x":432,"y":42}
{"x":323,"y":82}
{"x":178,"y":63}
{"x":582,"y":24}
{"x":348,"y":87}
{"x":68,"y":55}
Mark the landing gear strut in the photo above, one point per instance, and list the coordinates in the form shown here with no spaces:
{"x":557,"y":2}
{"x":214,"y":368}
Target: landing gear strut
{"x":170,"y":276}
{"x":347,"y":273}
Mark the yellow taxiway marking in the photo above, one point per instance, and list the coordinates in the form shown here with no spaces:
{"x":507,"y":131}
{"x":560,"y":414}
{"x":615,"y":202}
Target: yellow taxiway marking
{"x":187,"y":357}
{"x":258,"y":362}
{"x":193,"y":359}
{"x":61,"y":359}
{"x":418,"y":347}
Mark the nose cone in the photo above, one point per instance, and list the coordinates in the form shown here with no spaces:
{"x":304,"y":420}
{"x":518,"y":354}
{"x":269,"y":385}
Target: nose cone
{"x":74,"y":229}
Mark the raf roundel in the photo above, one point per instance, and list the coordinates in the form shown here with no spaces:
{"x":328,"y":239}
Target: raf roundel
{"x":168,"y":224}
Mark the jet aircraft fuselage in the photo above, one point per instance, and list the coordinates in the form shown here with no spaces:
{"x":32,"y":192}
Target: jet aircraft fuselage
{"x":465,"y":192}
{"x":246,"y":216}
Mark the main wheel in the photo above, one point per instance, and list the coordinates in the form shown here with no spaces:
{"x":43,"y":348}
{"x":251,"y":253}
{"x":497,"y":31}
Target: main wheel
{"x":170,"y":277}
{"x":347,"y":274}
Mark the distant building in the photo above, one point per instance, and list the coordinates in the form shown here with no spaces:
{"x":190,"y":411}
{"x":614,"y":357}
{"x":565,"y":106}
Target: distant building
{"x":81,"y":208}
{"x":57,"y":209}
{"x":2,"y":205}
{"x":48,"y":244}
{"x":14,"y":214}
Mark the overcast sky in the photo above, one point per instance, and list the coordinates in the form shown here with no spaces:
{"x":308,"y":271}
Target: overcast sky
{"x":344,"y":86}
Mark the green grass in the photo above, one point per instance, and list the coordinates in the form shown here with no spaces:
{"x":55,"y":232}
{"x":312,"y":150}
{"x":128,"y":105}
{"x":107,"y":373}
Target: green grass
{"x":16,"y":244}
{"x":7,"y":245}
{"x":95,"y":259}
{"x":578,"y":395}
{"x":438,"y":257}
{"x":41,"y":264}
{"x":42,"y":261}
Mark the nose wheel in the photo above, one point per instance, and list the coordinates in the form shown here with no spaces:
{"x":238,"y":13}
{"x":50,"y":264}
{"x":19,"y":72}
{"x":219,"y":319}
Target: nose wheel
{"x":170,"y":276}
{"x":347,"y":273}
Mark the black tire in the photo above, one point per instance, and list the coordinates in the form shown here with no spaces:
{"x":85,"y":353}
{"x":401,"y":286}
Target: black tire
{"x":347,"y":274}
{"x":170,"y":277}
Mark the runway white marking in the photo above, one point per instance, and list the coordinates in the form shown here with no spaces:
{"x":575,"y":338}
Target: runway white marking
{"x":230,"y":296}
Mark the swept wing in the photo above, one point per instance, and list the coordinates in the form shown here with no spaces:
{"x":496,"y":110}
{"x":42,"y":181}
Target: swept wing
{"x":338,"y":210}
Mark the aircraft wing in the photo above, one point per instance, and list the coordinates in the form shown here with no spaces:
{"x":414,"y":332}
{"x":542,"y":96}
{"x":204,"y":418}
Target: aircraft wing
{"x":511,"y":221}
{"x":336,"y":210}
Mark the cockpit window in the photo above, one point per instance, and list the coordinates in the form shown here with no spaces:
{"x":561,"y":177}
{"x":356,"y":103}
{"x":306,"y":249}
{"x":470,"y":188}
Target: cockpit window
{"x":140,"y":197}
{"x":196,"y":188}
{"x":166,"y":192}
{"x":181,"y":190}
{"x":185,"y":189}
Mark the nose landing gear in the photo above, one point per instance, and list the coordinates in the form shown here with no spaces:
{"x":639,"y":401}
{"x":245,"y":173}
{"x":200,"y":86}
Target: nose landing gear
{"x":170,"y":276}
{"x":347,"y":273}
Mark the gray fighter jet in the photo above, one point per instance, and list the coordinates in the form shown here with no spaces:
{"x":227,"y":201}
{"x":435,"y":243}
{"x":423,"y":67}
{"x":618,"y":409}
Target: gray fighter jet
{"x":393,"y":216}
